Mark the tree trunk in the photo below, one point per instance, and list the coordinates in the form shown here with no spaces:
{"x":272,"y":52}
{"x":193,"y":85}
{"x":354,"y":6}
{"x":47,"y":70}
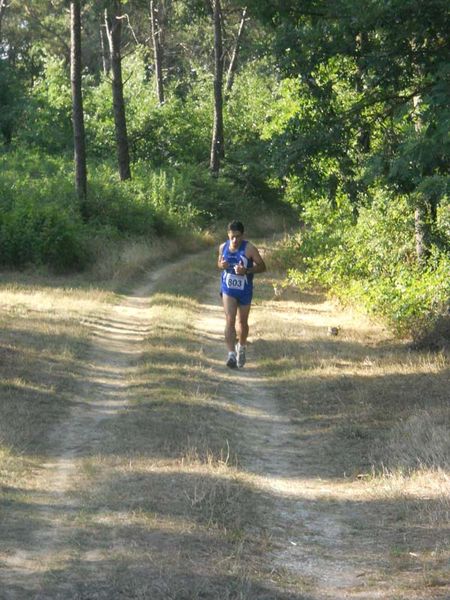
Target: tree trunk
{"x":77,"y":101}
{"x":157,"y":49}
{"x":217,"y":145}
{"x":364,"y":129}
{"x":421,"y":225}
{"x":420,"y":229}
{"x":105,"y":59}
{"x":2,"y":12}
{"x":233,"y":62}
{"x":114,"y":29}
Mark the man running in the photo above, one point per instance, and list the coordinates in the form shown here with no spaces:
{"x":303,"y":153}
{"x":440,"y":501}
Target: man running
{"x":239,"y":261}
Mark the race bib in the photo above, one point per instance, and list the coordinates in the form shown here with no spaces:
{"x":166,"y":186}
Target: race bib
{"x":234,"y":282}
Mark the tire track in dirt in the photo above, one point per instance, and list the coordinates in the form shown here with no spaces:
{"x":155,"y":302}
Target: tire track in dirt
{"x":309,"y":547}
{"x":116,"y":346}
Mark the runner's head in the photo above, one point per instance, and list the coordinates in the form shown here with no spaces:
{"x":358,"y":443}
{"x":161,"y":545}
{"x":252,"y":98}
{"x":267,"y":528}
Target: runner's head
{"x":236,"y":226}
{"x":235,"y":234}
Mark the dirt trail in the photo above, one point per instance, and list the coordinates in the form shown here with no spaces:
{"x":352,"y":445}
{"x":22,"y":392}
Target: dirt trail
{"x":312,"y":553}
{"x":310,"y":545}
{"x":115,"y":349}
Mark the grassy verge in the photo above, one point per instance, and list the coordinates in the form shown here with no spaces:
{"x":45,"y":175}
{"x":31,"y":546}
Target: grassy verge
{"x":44,"y":337}
{"x":375,"y":416}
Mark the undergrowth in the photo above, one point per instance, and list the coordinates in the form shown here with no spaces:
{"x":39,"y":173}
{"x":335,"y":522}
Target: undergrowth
{"x":370,"y":260}
{"x":43,"y":223}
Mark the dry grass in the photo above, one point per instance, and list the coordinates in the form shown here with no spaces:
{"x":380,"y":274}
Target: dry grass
{"x":169,"y":464}
{"x":159,"y":508}
{"x":119,"y":262}
{"x":44,"y":338}
{"x":328,"y":456}
{"x":377,"y":417}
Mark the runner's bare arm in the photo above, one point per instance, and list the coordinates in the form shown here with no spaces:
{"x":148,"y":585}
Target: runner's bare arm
{"x":259,"y":266}
{"x":221,"y":264}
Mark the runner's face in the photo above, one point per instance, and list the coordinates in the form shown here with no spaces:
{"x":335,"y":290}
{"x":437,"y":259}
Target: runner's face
{"x":235,"y":238}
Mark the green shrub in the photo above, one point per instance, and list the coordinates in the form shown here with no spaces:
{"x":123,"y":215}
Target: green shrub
{"x":411,"y":300}
{"x":176,"y":133}
{"x":47,"y":234}
{"x":371,"y":261}
{"x":46,"y":122}
{"x":41,"y":221}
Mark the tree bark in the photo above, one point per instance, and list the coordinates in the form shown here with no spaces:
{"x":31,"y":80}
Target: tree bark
{"x":364,"y":129}
{"x":3,"y":7}
{"x":421,"y":227}
{"x":217,"y":145}
{"x":157,"y":49}
{"x":77,"y":101}
{"x":233,"y":62}
{"x":105,"y":59}
{"x":114,"y":29}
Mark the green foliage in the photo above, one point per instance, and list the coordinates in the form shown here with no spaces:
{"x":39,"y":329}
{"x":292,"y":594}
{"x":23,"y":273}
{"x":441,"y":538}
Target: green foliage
{"x":34,"y":234}
{"x":152,"y":203}
{"x":411,"y":300}
{"x":248,"y":109}
{"x":39,"y":220}
{"x":11,"y":101}
{"x":47,"y":116}
{"x":176,"y":133}
{"x":42,"y":223}
{"x":371,"y":261}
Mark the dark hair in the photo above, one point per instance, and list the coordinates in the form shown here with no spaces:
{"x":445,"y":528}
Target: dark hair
{"x":236,"y":226}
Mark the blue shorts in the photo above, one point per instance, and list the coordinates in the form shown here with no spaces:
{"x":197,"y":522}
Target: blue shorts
{"x":244,"y":298}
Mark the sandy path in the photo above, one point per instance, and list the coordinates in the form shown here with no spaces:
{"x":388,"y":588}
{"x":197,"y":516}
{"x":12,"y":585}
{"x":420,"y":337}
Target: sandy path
{"x":116,"y":345}
{"x":312,"y":551}
{"x":312,"y":546}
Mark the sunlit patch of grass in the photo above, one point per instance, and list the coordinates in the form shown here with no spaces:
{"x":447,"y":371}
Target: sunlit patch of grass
{"x":44,"y":336}
{"x":13,"y":466}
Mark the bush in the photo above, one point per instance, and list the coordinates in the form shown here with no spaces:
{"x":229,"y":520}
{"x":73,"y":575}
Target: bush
{"x":42,"y":234}
{"x":41,"y":220}
{"x":47,"y":114}
{"x":371,"y":261}
{"x":176,"y":133}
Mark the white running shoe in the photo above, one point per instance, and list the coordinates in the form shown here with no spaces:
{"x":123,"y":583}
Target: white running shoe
{"x":231,"y":362}
{"x":240,"y":351}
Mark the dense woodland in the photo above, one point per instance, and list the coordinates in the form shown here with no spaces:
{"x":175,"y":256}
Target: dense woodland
{"x":141,"y":118}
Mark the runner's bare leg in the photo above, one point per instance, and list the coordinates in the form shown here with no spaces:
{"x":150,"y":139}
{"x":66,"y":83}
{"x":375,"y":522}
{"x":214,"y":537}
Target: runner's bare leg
{"x":243,"y":312}
{"x":230,"y":306}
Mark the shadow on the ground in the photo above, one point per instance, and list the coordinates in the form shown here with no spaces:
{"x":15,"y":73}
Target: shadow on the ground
{"x":161,"y":543}
{"x":183,"y":401}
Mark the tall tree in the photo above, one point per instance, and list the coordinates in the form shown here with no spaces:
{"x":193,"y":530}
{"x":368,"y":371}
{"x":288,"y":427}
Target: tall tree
{"x":105,"y":57}
{"x":217,"y":144}
{"x":361,"y":88}
{"x":234,"y":55}
{"x":156,"y":23}
{"x":77,"y":101}
{"x":113,"y":24}
{"x":379,"y":134}
{"x":3,"y":7}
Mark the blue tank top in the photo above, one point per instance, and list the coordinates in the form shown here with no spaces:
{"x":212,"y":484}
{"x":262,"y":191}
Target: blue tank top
{"x":236,"y":284}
